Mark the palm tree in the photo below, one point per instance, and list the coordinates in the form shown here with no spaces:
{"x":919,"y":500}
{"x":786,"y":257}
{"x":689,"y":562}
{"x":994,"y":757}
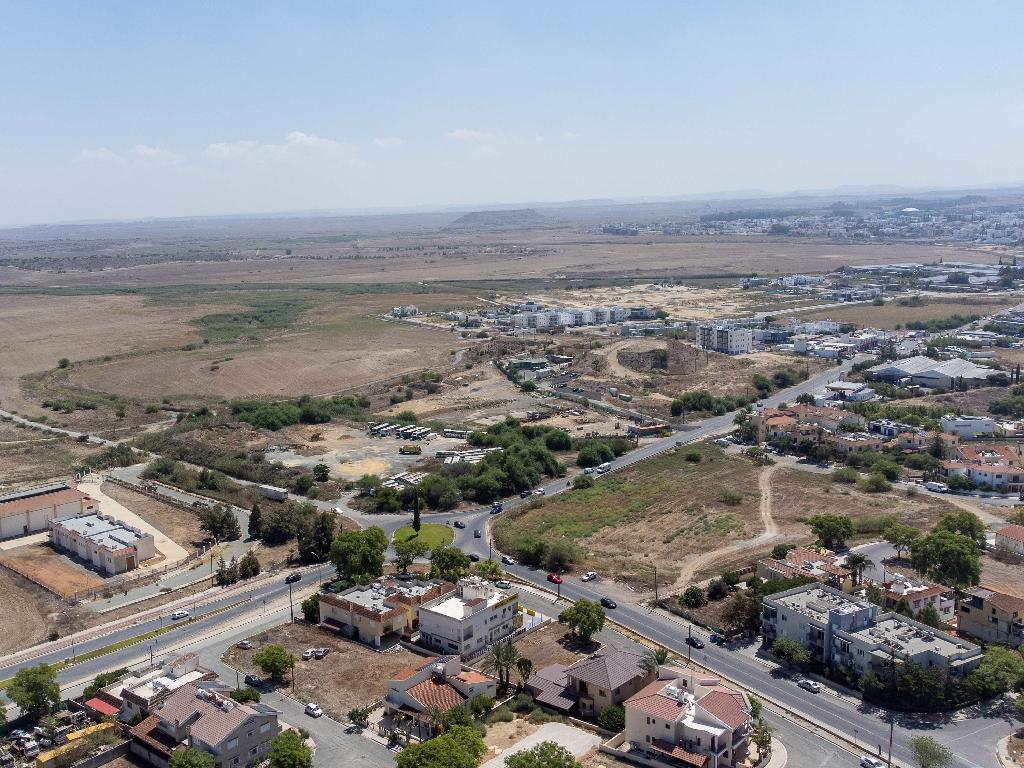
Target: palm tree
{"x":525,"y":668}
{"x":858,"y":563}
{"x":435,"y":717}
{"x":654,"y":659}
{"x":499,"y":660}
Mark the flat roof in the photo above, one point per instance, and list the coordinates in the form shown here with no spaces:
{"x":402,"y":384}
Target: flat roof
{"x":904,"y":636}
{"x":101,"y":530}
{"x":375,"y":596}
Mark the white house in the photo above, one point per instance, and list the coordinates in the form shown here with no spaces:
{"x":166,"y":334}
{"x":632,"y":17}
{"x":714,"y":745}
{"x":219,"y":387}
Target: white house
{"x":1011,"y":536}
{"x":968,"y":426}
{"x":476,"y":615}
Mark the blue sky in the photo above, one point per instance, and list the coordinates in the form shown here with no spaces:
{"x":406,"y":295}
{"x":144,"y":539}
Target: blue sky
{"x":125,"y":110}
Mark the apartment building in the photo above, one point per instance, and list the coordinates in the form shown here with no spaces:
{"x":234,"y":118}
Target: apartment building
{"x":722,"y":337}
{"x":379,"y":612}
{"x":110,"y":545}
{"x":476,"y":615}
{"x":31,"y":510}
{"x":992,"y":617}
{"x":136,"y":694}
{"x":968,"y":427}
{"x":688,"y":718}
{"x":845,"y":443}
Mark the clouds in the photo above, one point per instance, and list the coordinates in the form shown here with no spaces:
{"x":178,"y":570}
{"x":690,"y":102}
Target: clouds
{"x":297,"y":145}
{"x":465,"y":134}
{"x":388,"y":141}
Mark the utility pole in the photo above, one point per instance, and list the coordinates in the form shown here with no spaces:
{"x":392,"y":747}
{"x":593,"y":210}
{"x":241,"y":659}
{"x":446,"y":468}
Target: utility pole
{"x":291,"y":606}
{"x":689,"y":647}
{"x":891,"y":721}
{"x":293,"y":674}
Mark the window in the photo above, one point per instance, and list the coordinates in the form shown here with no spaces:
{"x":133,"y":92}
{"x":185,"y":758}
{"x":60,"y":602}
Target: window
{"x":265,"y":728}
{"x":231,"y":744}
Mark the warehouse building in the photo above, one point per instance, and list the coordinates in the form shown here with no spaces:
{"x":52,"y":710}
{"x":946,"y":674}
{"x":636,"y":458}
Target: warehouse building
{"x":32,"y":510}
{"x":112,"y":546}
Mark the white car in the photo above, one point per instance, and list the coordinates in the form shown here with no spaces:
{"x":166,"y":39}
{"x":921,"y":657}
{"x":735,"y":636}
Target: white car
{"x":588,"y":576}
{"x":314,"y":711}
{"x":540,"y":491}
{"x":308,"y":654}
{"x":808,"y":685}
{"x":179,"y":615}
{"x":867,"y":761}
{"x":502,"y":584}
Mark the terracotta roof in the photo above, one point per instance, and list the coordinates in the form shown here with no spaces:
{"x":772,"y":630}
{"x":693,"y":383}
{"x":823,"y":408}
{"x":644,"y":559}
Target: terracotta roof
{"x":728,"y":706}
{"x":650,"y":701}
{"x":101,"y":706}
{"x":210,"y":721}
{"x":1014,"y":532}
{"x":473,"y":677}
{"x":1004,"y":602}
{"x":678,"y":753}
{"x":611,"y":669}
{"x":406,"y":673}
{"x":437,"y":693}
{"x":149,"y":734}
{"x":40,"y":501}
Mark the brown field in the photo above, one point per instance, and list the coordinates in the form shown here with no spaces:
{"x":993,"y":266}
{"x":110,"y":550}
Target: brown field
{"x":351,"y":675}
{"x":552,"y":644}
{"x":892,"y":314}
{"x":178,"y":524}
{"x":1002,"y":577}
{"x":28,"y":456}
{"x":30,"y":604}
{"x":973,"y":401}
{"x":51,"y":569}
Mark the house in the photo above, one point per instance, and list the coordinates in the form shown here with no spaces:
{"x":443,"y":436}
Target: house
{"x":841,"y":630}
{"x":917,"y":593}
{"x":439,"y":683}
{"x":110,"y":545}
{"x":845,"y":443}
{"x":992,"y":617}
{"x":31,"y":510}
{"x":689,"y":718}
{"x":475,"y":615}
{"x":205,"y":717}
{"x":135,"y":695}
{"x":375,"y":613}
{"x":853,"y":391}
{"x":1011,"y":537}
{"x":986,"y":468}
{"x":810,"y":419}
{"x":824,"y":566}
{"x":606,"y":679}
{"x":968,"y":426}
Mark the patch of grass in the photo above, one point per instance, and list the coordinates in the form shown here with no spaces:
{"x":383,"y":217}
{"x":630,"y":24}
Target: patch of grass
{"x":431,"y":535}
{"x":269,"y":312}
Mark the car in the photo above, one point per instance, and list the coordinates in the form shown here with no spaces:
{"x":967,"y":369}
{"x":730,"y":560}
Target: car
{"x":319,"y":653}
{"x":477,"y":534}
{"x":588,"y":576}
{"x":254,"y":681}
{"x":308,"y":654}
{"x":291,"y":578}
{"x":540,"y":491}
{"x":607,"y":602}
{"x":716,"y":638}
{"x":696,"y":642}
{"x":554,"y":578}
{"x":588,"y":470}
{"x":503,"y":584}
{"x":245,"y":645}
{"x":496,"y":507}
{"x":474,"y":557}
{"x":18,"y":734}
{"x":525,"y":494}
{"x":508,"y":560}
{"x":808,"y":685}
{"x":405,"y":576}
{"x":458,"y":524}
{"x":867,"y":761}
{"x":180,"y":615}
{"x":313,"y":710}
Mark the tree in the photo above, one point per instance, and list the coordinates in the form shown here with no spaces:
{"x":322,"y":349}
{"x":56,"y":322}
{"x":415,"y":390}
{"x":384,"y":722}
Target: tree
{"x":676,"y":408}
{"x":756,"y":705}
{"x":832,"y":530}
{"x":255,"y":521}
{"x":1001,"y":670}
{"x":528,"y":386}
{"x":368,"y":483}
{"x":316,"y":541}
{"x":102,"y":680}
{"x":460,"y":747}
{"x":274,"y":661}
{"x":63,"y":363}
{"x":694,"y":597}
{"x":928,"y":615}
{"x":221,"y":577}
{"x":245,"y":695}
{"x":500,"y":659}
{"x":930,"y":753}
{"x":779,"y":551}
{"x":525,"y":668}
{"x":582,"y":482}
{"x":717,"y":590}
{"x":762,"y":738}
{"x":790,"y":652}
{"x":220,"y":523}
{"x":547,"y":754}
{"x":874,"y":483}
{"x":948,"y":558}
{"x":857,"y":564}
{"x":901,"y":536}
{"x":488,"y":569}
{"x":743,"y":613}
{"x":406,"y":552}
{"x":654,"y":659}
{"x":321,"y":473}
{"x":585,"y":618}
{"x":965,"y":523}
{"x":289,"y":750}
{"x":35,"y":690}
{"x":311,"y":608}
{"x":359,"y":555}
{"x":417,"y":523}
{"x":449,"y":563}
{"x":249,"y":565}
{"x":190,"y":757}
{"x":612,"y":719}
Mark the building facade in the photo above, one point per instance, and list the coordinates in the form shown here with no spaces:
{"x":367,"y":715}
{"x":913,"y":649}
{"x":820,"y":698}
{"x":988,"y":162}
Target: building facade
{"x":992,"y":617}
{"x":476,"y":615}
{"x":111,"y":546}
{"x":31,"y":511}
{"x":379,"y":612}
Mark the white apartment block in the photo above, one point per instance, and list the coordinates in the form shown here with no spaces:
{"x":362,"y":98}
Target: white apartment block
{"x":477,"y":615}
{"x":722,"y":337}
{"x":968,"y":426}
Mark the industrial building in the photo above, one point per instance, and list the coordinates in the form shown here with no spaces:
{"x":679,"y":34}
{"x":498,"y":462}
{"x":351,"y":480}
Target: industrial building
{"x":32,"y":510}
{"x":108,"y":544}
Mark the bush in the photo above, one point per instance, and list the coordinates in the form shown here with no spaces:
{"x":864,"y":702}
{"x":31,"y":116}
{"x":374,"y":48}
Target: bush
{"x":522,"y":703}
{"x":500,"y":715}
{"x":612,"y":719}
{"x":694,"y":597}
{"x":732,"y":498}
{"x":717,"y":590}
{"x":874,"y":483}
{"x":846,"y":475}
{"x":582,"y":482}
{"x":693,"y":456}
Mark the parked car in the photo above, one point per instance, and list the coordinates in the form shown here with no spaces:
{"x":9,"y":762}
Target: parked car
{"x":525,"y":494}
{"x":254,"y":681}
{"x":588,"y":470}
{"x":308,"y":654}
{"x":458,"y":524}
{"x":503,"y":584}
{"x":508,"y":560}
{"x":540,"y":491}
{"x":291,"y":578}
{"x":474,"y":557}
{"x":245,"y":645}
{"x":405,"y":576}
{"x":319,"y":653}
{"x":867,"y":761}
{"x":588,"y":576}
{"x":808,"y":685}
{"x":607,"y":602}
{"x":17,"y":734}
{"x":716,"y":638}
{"x":182,"y":614}
{"x":313,"y":710}
{"x":696,"y":642}
{"x":496,"y":507}
{"x":477,"y":534}
{"x":554,"y":578}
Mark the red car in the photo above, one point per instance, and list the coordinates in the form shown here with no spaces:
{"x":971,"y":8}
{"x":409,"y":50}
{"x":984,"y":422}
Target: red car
{"x":554,"y":578}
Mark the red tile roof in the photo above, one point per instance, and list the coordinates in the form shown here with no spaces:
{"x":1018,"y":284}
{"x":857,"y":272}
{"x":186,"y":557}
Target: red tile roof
{"x":41,"y":501}
{"x":1015,"y":532}
{"x":437,"y":693}
{"x":678,"y":753}
{"x":101,"y":706}
{"x":650,"y":701}
{"x":473,"y":677}
{"x":1009,"y":603}
{"x":727,"y":706}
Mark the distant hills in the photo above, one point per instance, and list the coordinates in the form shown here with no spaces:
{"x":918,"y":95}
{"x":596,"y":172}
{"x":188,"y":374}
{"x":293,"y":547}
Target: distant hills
{"x":519,"y":218}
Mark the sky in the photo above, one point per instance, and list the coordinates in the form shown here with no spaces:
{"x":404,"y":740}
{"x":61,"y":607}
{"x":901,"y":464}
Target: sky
{"x":122,"y":110}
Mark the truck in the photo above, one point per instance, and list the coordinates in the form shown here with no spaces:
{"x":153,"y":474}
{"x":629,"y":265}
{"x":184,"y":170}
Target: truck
{"x":273,"y":492}
{"x":936,"y":487}
{"x":410,"y":449}
{"x":625,"y":397}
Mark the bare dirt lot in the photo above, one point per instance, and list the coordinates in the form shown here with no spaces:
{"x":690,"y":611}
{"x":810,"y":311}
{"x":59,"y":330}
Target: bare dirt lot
{"x":1002,"y":577}
{"x":51,"y":569}
{"x":350,"y":676}
{"x":28,"y":456}
{"x":893,"y":313}
{"x":31,"y":605}
{"x":178,"y":524}
{"x":552,"y":644}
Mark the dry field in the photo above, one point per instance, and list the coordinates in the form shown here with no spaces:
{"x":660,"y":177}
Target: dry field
{"x":50,"y":569}
{"x":28,"y":456}
{"x":973,"y":401}
{"x":351,"y":675}
{"x":30,"y":604}
{"x":552,"y":644}
{"x":1002,"y":577}
{"x":179,"y":525}
{"x":893,"y":314}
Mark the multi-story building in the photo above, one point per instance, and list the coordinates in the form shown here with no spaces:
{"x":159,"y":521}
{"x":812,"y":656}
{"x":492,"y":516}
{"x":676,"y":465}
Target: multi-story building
{"x":112,"y":546}
{"x":722,"y":337}
{"x":687,"y":718}
{"x":968,"y":427}
{"x":136,"y":694}
{"x":1011,"y":537}
{"x":379,"y":612}
{"x":606,"y":679}
{"x":32,"y":510}
{"x":468,"y":620}
{"x":917,"y":593}
{"x":840,"y":630}
{"x":436,"y":683}
{"x":992,"y":617}
{"x":845,"y":443}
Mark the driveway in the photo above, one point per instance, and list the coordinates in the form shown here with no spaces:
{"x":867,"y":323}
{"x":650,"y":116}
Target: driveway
{"x":576,"y":740}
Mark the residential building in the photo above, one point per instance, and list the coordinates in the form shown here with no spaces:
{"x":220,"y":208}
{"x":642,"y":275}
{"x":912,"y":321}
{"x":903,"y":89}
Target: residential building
{"x":591,"y":685}
{"x":1011,"y":537}
{"x":968,"y":427}
{"x":852,"y":391}
{"x":845,"y":443}
{"x":111,"y":546}
{"x":689,"y":718}
{"x":205,"y":717}
{"x":722,"y":337}
{"x":436,"y":683}
{"x":823,"y":566}
{"x":31,"y":510}
{"x":841,"y":630}
{"x":468,"y":620}
{"x":992,"y":617}
{"x":380,"y":612}
{"x":136,"y":694}
{"x":916,"y":593}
